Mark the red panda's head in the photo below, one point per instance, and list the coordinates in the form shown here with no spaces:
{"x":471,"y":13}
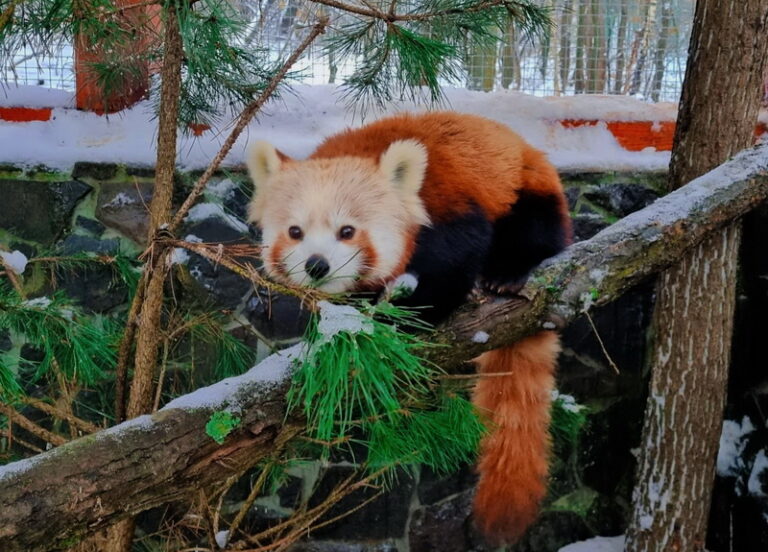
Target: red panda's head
{"x":339,"y":223}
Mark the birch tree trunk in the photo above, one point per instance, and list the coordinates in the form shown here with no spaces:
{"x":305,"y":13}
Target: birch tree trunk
{"x":694,"y":311}
{"x":660,"y":54}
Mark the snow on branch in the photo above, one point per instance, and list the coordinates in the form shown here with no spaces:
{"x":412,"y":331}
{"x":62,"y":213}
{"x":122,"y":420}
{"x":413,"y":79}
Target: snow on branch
{"x":88,"y":484}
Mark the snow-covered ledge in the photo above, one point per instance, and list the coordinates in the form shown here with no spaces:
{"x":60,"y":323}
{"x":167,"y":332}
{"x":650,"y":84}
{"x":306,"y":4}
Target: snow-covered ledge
{"x":87,"y":484}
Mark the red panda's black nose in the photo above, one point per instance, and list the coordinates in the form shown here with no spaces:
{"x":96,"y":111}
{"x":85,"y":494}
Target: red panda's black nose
{"x":317,"y":267}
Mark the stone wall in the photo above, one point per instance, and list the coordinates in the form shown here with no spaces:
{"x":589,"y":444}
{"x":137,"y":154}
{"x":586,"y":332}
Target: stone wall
{"x":101,"y":209}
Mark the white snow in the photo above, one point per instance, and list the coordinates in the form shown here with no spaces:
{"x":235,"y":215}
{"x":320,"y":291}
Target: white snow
{"x":567,"y":402}
{"x":733,"y":441}
{"x":757,"y":481}
{"x":297,"y":123}
{"x":191,"y":238}
{"x":202,"y":211}
{"x":222,"y":189}
{"x":121,"y":199}
{"x":597,"y":544}
{"x":35,"y":96}
{"x":179,"y":255}
{"x":341,"y":318}
{"x":271,"y":370}
{"x":16,"y":261}
{"x":41,"y":302}
{"x":480,"y":337}
{"x":222,"y":539}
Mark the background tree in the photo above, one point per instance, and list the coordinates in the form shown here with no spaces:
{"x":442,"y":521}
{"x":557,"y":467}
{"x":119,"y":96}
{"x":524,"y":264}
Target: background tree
{"x":696,"y":298}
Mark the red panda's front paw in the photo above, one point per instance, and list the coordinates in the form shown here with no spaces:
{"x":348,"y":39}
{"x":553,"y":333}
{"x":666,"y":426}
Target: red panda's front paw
{"x":503,"y":287}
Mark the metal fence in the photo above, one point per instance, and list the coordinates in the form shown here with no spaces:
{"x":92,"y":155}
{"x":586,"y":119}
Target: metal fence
{"x":631,"y":47}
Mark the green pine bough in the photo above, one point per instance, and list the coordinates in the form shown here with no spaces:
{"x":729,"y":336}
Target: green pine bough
{"x":362,"y":381}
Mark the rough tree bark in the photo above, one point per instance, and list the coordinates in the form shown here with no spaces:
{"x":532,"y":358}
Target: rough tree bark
{"x":694,"y":312}
{"x":88,"y":484}
{"x":119,"y":537}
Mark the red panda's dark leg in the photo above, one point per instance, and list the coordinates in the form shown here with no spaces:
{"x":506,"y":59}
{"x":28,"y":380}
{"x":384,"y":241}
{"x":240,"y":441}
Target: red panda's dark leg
{"x":447,"y":261}
{"x":534,"y":230}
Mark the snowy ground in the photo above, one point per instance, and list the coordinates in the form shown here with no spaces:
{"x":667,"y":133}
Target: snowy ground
{"x":597,"y":544}
{"x":297,"y":122}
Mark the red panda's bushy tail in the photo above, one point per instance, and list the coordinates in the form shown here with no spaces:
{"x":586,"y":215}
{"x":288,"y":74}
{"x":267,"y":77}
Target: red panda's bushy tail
{"x":513,"y":460}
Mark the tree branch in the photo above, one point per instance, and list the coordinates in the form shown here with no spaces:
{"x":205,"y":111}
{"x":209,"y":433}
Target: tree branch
{"x":88,"y":484}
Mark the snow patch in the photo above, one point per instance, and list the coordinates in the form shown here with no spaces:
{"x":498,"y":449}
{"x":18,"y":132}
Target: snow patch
{"x":733,"y":441}
{"x":16,"y":261}
{"x":271,"y":370}
{"x":20,"y":466}
{"x":179,"y":255}
{"x":223,"y":189}
{"x":341,"y":318}
{"x":203,"y":211}
{"x":299,"y":122}
{"x":38,"y":302}
{"x":597,"y":544}
{"x":222,"y":539}
{"x":120,"y":200}
{"x":191,"y":238}
{"x":567,"y":402}
{"x":756,"y":483}
{"x":35,"y":96}
{"x":480,"y":337}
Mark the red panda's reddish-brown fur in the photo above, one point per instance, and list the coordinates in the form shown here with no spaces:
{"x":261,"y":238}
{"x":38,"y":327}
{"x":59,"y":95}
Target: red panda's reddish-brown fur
{"x":475,"y":163}
{"x":464,"y":168}
{"x":514,"y":457}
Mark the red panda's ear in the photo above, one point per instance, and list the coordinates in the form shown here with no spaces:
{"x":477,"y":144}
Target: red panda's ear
{"x":404,"y":164}
{"x":263,"y":161}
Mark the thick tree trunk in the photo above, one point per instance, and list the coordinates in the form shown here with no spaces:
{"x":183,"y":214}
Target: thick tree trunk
{"x":694,"y":312}
{"x":88,"y":484}
{"x":693,"y":322}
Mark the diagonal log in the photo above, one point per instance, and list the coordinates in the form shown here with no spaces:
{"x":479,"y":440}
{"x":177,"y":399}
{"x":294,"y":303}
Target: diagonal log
{"x":53,"y":499}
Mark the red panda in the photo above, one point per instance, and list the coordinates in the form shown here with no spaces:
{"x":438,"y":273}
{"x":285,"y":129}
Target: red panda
{"x":451,"y":200}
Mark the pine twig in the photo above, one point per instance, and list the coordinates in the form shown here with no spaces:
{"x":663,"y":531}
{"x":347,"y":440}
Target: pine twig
{"x":245,"y":118}
{"x":602,"y":345}
{"x":71,"y":419}
{"x":255,"y":490}
{"x":24,"y":422}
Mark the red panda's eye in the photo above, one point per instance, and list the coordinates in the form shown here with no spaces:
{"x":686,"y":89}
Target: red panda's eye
{"x":295,"y":233}
{"x":346,"y":232}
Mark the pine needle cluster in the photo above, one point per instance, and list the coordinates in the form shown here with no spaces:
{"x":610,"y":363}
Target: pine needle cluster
{"x":365,"y":383}
{"x":414,"y":47}
{"x":79,"y":347}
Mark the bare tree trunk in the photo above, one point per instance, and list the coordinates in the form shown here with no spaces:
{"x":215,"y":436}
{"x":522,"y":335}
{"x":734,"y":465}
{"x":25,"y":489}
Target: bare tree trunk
{"x":564,"y":30}
{"x":579,"y":73}
{"x":694,"y":312}
{"x":621,"y":44}
{"x":510,"y":61}
{"x":660,"y":54}
{"x":596,"y":52}
{"x":642,"y":41}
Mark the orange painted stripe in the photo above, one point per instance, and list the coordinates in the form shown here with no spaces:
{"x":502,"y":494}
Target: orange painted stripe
{"x":633,"y":135}
{"x":25,"y":114}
